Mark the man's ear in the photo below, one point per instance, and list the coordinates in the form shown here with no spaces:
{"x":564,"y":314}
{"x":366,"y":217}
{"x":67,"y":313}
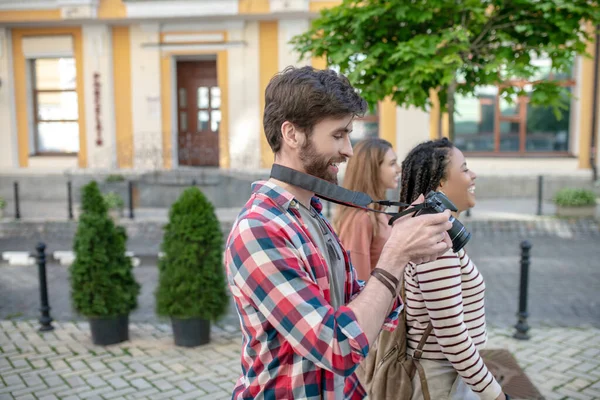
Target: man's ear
{"x":291,"y":135}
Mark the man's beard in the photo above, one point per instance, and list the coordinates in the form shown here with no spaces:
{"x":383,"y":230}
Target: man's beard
{"x":317,"y":165}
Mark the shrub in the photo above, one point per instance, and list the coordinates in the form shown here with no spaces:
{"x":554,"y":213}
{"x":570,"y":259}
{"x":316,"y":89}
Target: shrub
{"x":92,"y":201}
{"x":575,"y":197}
{"x":2,"y":203}
{"x":113,"y":201}
{"x":102,"y":281}
{"x":114,"y":178}
{"x":191,"y":274}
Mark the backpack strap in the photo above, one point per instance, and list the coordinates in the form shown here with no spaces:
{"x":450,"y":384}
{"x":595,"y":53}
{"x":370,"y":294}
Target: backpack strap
{"x":419,"y":351}
{"x":424,"y":387}
{"x":417,"y":356}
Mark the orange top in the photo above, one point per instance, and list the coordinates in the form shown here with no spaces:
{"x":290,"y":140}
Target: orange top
{"x":356,"y":234}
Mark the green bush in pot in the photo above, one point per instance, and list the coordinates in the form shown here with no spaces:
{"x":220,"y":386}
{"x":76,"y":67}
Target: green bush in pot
{"x":192,"y":286}
{"x":103,"y":287}
{"x":576,"y":203}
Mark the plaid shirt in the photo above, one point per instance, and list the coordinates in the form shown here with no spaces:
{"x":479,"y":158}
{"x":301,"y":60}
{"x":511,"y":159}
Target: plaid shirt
{"x":293,"y":340}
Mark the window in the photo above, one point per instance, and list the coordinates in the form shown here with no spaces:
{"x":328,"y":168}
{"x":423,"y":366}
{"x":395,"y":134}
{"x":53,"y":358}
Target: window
{"x":55,"y":104}
{"x":209,"y":104}
{"x":490,"y":123}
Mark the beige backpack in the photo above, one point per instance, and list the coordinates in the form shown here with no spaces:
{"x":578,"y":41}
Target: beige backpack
{"x":387,"y":372}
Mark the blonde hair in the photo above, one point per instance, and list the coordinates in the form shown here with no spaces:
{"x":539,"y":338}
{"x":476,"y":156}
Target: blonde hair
{"x":362,"y":175}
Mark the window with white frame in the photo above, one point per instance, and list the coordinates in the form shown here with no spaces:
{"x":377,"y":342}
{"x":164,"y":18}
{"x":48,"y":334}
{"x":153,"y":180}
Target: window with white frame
{"x":55,"y":105}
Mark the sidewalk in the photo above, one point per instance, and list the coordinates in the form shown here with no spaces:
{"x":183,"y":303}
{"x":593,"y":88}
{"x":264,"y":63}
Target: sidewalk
{"x":486,"y":209}
{"x":564,"y":363}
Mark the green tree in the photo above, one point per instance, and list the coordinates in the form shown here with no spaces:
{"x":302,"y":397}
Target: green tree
{"x":191,"y":273}
{"x":102,"y":281}
{"x":406,"y":48}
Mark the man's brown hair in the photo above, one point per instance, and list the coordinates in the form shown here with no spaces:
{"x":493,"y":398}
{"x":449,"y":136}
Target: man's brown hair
{"x":305,"y":96}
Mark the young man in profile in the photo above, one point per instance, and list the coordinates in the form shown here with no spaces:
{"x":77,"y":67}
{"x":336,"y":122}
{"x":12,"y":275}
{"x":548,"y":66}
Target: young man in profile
{"x":307,"y":322}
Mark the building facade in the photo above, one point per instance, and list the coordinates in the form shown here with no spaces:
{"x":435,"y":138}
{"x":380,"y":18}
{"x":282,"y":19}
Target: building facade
{"x":120,"y":84}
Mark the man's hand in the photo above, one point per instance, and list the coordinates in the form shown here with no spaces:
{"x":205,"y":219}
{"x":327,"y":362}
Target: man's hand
{"x":419,"y":239}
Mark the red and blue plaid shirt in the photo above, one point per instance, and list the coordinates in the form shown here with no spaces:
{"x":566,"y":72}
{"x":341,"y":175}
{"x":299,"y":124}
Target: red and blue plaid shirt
{"x":293,"y":339}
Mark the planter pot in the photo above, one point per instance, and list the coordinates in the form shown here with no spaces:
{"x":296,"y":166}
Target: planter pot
{"x":190,"y":332}
{"x":109,"y":330}
{"x":576,"y":212}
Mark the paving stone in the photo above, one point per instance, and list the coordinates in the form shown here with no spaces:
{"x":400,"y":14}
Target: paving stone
{"x":558,"y":374}
{"x":140,"y":383}
{"x":118,"y":383}
{"x":119,"y":393}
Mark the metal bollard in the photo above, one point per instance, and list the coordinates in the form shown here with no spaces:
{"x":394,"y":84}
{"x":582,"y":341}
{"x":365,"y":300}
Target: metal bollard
{"x":70,"y":199}
{"x":17,"y":208}
{"x":540,"y":194}
{"x":130,"y":185}
{"x":522,"y":326}
{"x":45,"y":319}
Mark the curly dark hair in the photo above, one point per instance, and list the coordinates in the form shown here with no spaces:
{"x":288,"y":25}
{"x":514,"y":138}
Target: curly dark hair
{"x":424,"y":168}
{"x":305,"y":96}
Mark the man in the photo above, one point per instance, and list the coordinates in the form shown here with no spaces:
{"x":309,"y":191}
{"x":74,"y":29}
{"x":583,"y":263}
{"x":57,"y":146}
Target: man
{"x":306,"y":321}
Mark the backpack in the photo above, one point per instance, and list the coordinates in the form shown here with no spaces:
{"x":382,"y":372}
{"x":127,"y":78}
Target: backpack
{"x":387,"y":371}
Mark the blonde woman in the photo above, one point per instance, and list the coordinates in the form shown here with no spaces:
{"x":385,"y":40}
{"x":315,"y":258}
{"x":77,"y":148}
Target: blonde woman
{"x":373,"y":169}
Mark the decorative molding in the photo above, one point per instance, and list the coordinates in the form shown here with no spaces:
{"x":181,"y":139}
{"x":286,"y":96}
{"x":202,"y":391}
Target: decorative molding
{"x":180,"y":8}
{"x":289,"y":5}
{"x":213,"y":47}
{"x":202,"y":26}
{"x":45,"y":4}
{"x":193,"y":38}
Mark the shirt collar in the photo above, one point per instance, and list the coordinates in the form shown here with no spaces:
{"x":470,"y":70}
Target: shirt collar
{"x":281,"y":196}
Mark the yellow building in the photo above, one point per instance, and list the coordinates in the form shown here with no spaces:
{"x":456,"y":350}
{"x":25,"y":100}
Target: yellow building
{"x":169,"y":83}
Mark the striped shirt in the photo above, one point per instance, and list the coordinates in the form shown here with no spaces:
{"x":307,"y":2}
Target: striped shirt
{"x":293,"y":340}
{"x":449,"y":292}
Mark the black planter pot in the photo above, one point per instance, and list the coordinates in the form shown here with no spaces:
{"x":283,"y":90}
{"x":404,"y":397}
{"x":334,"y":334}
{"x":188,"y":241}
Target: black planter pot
{"x":109,"y":330}
{"x":190,"y":332}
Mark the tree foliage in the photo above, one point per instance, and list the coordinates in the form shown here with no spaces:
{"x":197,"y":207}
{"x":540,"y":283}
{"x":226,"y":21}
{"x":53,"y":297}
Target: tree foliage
{"x":191,"y":273}
{"x":102,"y":281}
{"x":406,"y":48}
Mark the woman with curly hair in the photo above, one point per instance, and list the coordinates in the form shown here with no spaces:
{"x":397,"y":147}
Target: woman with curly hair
{"x":448,"y":292}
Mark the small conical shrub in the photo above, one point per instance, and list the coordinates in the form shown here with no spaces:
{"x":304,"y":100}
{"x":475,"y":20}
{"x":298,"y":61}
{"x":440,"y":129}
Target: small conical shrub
{"x":102,"y":281}
{"x":191,"y":274}
{"x":92,"y":200}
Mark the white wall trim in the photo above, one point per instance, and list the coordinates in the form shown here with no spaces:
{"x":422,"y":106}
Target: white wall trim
{"x":196,"y":37}
{"x":43,"y":4}
{"x":49,"y":54}
{"x":180,"y":8}
{"x":202,"y":26}
{"x":199,"y":47}
{"x":287,"y":54}
{"x":289,"y":5}
{"x":28,"y":5}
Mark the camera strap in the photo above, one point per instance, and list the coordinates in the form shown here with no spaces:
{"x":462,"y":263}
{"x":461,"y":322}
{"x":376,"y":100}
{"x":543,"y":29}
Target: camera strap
{"x":338,"y":194}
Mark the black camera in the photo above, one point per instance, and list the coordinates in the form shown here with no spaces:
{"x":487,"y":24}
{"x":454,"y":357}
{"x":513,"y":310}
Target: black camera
{"x":437,"y":202}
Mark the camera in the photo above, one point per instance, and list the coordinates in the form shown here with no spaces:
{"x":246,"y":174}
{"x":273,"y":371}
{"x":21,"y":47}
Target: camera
{"x":437,"y":202}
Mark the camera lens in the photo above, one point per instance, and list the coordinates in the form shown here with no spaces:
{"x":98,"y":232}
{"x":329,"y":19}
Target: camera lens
{"x":458,"y":234}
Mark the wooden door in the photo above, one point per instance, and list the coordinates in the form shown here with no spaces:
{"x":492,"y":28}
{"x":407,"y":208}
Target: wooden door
{"x":198,"y":113}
